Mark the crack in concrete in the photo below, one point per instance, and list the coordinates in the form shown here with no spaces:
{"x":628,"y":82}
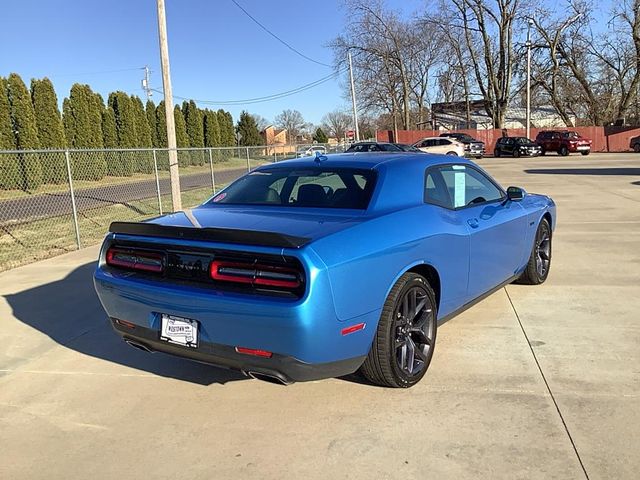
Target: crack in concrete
{"x":544,"y":378}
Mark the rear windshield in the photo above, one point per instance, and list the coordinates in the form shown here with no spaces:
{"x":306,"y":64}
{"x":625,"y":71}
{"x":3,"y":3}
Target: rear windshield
{"x":301,"y":187}
{"x":373,"y":147}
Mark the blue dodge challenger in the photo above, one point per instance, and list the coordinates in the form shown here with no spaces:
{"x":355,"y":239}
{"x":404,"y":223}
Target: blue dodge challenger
{"x":318,"y":267}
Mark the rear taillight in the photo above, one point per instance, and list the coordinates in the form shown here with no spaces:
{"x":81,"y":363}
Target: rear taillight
{"x":135,"y":260}
{"x":254,"y":274}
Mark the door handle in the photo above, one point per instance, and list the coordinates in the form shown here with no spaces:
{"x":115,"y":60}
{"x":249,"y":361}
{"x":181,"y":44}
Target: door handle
{"x":473,"y":222}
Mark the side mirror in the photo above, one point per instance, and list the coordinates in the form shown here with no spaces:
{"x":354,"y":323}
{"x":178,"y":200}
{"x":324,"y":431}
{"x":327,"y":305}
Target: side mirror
{"x":515,"y":193}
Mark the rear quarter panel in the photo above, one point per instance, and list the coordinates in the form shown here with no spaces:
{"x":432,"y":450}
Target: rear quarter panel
{"x":365,"y":261}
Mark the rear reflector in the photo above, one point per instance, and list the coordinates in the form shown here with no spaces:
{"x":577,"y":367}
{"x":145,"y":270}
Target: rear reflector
{"x":254,"y":352}
{"x":353,"y":328}
{"x":124,"y":323}
{"x":135,"y":260}
{"x":256,"y":274}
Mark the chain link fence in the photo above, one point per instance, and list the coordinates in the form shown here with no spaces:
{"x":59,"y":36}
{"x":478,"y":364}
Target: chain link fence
{"x":57,"y":201}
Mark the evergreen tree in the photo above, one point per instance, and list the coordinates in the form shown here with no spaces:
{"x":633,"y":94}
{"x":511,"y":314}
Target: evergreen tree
{"x":182,"y":139}
{"x":23,"y":120}
{"x":95,"y":162}
{"x":161,"y":136}
{"x":227,"y":131}
{"x":110,"y":141}
{"x":126,"y":132}
{"x":161,"y":125}
{"x":248,"y":130}
{"x":211,"y":129}
{"x":9,"y":166}
{"x":144,"y":159}
{"x":50,"y":129}
{"x":193,"y":120}
{"x":319,"y":136}
{"x":150,"y":111}
{"x":82,"y":117}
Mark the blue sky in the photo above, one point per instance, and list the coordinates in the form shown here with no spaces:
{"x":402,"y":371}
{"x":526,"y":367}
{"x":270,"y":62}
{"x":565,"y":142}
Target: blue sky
{"x":217,"y":53}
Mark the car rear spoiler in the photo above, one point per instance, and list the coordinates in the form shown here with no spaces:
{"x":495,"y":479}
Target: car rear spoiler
{"x":222,"y":235}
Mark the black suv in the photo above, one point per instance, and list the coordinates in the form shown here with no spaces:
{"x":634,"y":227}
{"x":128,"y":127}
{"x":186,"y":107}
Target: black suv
{"x":472,"y":147}
{"x":516,"y":146}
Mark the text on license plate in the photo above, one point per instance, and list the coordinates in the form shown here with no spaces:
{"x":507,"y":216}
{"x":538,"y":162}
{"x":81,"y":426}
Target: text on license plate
{"x":179,"y":330}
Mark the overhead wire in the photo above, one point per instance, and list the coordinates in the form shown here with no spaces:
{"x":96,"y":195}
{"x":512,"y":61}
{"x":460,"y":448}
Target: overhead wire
{"x":290,"y":47}
{"x":266,"y":98}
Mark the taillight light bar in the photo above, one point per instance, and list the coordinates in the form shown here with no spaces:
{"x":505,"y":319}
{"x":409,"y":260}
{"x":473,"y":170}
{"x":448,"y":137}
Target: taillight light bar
{"x":254,"y":274}
{"x":135,"y":260}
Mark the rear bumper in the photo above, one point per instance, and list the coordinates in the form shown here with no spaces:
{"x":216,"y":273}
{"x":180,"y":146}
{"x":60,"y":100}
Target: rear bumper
{"x":286,"y":369}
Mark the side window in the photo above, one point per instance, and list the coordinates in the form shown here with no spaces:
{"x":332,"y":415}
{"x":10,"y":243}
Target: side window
{"x":444,"y":141}
{"x":467,"y":186}
{"x":435,"y":189}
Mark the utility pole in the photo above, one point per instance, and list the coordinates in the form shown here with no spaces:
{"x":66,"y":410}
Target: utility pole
{"x":168,"y":108}
{"x":146,"y":82}
{"x":353,"y":98}
{"x":528,"y":44}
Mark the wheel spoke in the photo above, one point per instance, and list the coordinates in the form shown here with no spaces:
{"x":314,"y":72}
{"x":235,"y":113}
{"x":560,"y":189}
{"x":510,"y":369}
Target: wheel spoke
{"x":411,"y":355}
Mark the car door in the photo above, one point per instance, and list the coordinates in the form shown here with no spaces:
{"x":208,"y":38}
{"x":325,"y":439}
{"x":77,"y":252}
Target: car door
{"x":443,"y":145}
{"x":496,"y":227}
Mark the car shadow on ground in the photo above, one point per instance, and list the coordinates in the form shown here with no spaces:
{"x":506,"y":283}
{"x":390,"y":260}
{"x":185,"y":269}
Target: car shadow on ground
{"x":69,"y":312}
{"x":635,"y":183}
{"x":585,"y":171}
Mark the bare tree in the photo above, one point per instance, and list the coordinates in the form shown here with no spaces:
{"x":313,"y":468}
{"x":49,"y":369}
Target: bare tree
{"x":261,"y":122}
{"x":293,"y":122}
{"x":487,"y":31}
{"x":336,"y":123}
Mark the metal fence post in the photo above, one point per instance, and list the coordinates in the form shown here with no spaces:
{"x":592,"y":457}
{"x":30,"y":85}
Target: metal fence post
{"x":248,"y":164}
{"x":155,"y":169}
{"x":73,"y":199}
{"x":213,"y":179}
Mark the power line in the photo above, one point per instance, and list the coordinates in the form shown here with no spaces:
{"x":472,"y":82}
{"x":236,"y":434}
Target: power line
{"x":277,"y":37}
{"x":267,"y":98}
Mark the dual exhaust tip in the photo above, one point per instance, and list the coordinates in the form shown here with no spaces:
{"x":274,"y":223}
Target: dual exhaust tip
{"x":265,"y":377}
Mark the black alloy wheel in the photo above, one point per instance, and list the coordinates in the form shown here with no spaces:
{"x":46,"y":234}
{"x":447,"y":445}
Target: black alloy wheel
{"x":405,"y":338}
{"x":537,"y":269}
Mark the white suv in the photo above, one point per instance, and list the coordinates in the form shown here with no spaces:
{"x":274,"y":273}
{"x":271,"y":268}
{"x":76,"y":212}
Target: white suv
{"x":444,"y":145}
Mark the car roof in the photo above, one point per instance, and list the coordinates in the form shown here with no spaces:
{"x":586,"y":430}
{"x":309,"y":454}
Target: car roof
{"x":367,"y":160}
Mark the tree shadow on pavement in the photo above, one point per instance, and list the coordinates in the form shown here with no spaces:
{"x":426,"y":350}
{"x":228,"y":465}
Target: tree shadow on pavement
{"x":69,"y":312}
{"x":585,"y":171}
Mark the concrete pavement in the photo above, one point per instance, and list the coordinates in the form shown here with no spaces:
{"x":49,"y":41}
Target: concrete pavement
{"x":533,"y":382}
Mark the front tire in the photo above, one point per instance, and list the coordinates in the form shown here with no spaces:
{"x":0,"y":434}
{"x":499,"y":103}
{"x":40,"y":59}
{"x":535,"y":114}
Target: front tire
{"x":516,"y":153}
{"x":539,"y":264}
{"x":585,"y":152}
{"x":453,"y":153}
{"x":564,"y":151}
{"x":403,"y":345}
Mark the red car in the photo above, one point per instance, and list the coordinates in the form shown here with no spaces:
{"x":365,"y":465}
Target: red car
{"x":563,"y":142}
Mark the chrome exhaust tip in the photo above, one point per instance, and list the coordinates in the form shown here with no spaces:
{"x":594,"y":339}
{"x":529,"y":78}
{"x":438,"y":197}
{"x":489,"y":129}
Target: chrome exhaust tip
{"x":265,"y":377}
{"x":139,"y":346}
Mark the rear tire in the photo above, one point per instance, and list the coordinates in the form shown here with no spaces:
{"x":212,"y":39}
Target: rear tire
{"x":542,"y":152}
{"x":496,"y":153}
{"x":636,"y":147}
{"x":539,"y":264}
{"x":405,"y":338}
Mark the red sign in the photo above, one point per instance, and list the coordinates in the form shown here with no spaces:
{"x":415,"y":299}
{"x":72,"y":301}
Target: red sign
{"x":350,"y":133}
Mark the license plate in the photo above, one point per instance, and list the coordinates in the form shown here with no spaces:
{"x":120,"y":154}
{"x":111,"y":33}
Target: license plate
{"x":179,"y":330}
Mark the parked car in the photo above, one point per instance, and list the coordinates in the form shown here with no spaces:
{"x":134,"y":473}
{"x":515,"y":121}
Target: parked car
{"x":311,"y":151}
{"x":516,"y":146}
{"x":447,"y":146}
{"x":634,"y":144}
{"x":408,"y":148}
{"x":472,"y":147}
{"x":563,"y":142}
{"x":361,"y":147}
{"x":308,"y":268}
